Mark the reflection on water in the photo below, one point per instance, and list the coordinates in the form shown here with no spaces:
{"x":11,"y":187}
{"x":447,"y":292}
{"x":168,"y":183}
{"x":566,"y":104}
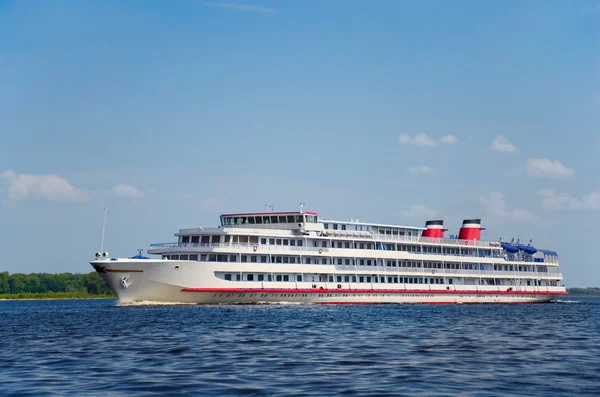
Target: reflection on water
{"x":93,"y":347}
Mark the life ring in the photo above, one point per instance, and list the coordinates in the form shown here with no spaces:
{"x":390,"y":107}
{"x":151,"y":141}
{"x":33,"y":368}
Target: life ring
{"x":320,"y":250}
{"x":339,"y":285}
{"x":466,"y":242}
{"x":433,"y":271}
{"x":255,"y":248}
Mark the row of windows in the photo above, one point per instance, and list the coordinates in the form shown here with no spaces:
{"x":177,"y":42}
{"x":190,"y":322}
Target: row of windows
{"x":240,"y":239}
{"x":339,"y":279}
{"x":267,"y":219}
{"x":340,"y":261}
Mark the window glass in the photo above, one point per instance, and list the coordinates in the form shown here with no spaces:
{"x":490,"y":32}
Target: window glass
{"x":299,"y":219}
{"x":232,"y":258}
{"x":250,"y":277}
{"x":299,"y":243}
{"x":278,"y":277}
{"x":238,"y":277}
{"x":261,"y":277}
{"x":274,"y":219}
{"x":183,"y":257}
{"x":185,"y":239}
{"x":251,"y":220}
{"x":298,"y":277}
{"x":286,"y":277}
{"x":228,"y":277}
{"x":282,"y":219}
{"x":258,"y":219}
{"x":290,"y":219}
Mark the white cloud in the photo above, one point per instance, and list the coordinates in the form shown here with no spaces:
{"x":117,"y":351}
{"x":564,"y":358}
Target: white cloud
{"x":545,"y":168}
{"x":500,"y":144}
{"x":48,"y":187}
{"x":495,"y":205}
{"x":243,"y":7}
{"x":422,"y":139}
{"x":555,"y":202}
{"x":449,"y":139}
{"x":423,"y":169}
{"x":419,"y":211}
{"x":122,"y":190}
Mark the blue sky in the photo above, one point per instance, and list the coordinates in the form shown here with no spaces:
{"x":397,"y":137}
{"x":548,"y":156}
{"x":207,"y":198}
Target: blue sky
{"x":387,"y":111}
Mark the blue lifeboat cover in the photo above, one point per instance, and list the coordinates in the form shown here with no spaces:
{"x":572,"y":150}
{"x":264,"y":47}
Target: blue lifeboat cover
{"x":528,"y":249}
{"x":139,"y":256}
{"x":510,"y":248}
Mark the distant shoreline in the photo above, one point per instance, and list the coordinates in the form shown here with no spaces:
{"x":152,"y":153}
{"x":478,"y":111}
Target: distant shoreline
{"x":51,"y":296}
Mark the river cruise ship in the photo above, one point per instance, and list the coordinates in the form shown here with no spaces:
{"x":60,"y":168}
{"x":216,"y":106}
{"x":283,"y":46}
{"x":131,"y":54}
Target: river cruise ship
{"x":296,"y":257}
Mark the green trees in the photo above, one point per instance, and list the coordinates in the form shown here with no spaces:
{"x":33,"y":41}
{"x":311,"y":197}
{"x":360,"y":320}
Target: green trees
{"x":18,"y":283}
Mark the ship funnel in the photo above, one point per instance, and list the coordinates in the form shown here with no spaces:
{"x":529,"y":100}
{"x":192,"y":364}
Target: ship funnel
{"x":434,"y":229}
{"x":470,"y":230}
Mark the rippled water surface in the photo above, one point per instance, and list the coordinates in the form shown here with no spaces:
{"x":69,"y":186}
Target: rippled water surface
{"x":92,"y":347}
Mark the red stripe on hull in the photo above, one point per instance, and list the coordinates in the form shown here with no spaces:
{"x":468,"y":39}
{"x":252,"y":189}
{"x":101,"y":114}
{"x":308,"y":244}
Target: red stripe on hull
{"x":363,"y":291}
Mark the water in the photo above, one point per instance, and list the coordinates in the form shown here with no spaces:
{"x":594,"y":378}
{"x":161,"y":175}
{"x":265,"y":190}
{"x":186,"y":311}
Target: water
{"x":92,"y":347}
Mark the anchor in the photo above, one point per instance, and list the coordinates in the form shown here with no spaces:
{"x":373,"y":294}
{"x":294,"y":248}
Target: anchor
{"x":125,"y":282}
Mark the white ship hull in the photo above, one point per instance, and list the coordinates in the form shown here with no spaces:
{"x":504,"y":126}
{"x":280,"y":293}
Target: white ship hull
{"x":167,"y":281}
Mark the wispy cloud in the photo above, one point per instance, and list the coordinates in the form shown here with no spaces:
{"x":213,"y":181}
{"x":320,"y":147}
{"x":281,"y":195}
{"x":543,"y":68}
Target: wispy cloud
{"x":422,"y":139}
{"x":419,"y":211}
{"x":500,"y":144}
{"x":545,"y":168}
{"x":423,"y":169}
{"x":122,"y":190}
{"x":243,"y":7}
{"x":551,"y":201}
{"x":48,"y":187}
{"x":55,"y":188}
{"x":495,"y":206}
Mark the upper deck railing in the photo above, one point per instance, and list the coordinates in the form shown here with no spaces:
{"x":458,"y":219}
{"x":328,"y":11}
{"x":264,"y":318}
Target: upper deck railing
{"x":315,"y":251}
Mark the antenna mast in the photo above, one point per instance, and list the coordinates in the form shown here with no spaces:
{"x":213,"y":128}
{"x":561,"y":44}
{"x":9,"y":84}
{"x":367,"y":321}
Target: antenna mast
{"x":103,"y":227}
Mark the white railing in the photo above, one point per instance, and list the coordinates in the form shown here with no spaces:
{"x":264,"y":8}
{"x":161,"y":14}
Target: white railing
{"x":436,"y":272}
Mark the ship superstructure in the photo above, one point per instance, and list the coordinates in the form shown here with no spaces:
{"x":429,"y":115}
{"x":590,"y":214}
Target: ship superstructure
{"x":297,"y":257}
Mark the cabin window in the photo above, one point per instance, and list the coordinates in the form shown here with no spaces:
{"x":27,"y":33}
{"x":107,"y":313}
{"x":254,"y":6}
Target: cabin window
{"x":261,"y":277}
{"x":290,"y":219}
{"x":331,"y":279}
{"x":347,"y":279}
{"x":368,"y":262}
{"x":299,"y":219}
{"x":195,"y":239}
{"x":361,"y":279}
{"x":266,"y":219}
{"x":175,"y":257}
{"x":194,"y":257}
{"x":286,"y":259}
{"x":244,"y":258}
{"x":299,"y":243}
{"x":274,"y":219}
{"x":221,"y":258}
{"x":382,"y":279}
{"x":264,"y":258}
{"x":353,"y":279}
{"x":324,"y":261}
{"x":339,"y":261}
{"x":347,"y":261}
{"x":253,"y":259}
{"x":390,"y":279}
{"x":285,"y":242}
{"x":368,"y":279}
{"x":185,"y":239}
{"x":298,"y":277}
{"x":269,"y":277}
{"x":449,"y":281}
{"x":228,"y":277}
{"x":343,"y":227}
{"x":212,"y":257}
{"x":263,"y":241}
{"x":258,"y":220}
{"x":339,"y":279}
{"x":347,"y":244}
{"x":250,"y":277}
{"x":278,"y":241}
{"x":271,"y":241}
{"x":326,"y":225}
{"x":293,"y":243}
{"x":324,"y":244}
{"x":335,"y":226}
{"x":286,"y":277}
{"x":238,"y":277}
{"x":232,"y":258}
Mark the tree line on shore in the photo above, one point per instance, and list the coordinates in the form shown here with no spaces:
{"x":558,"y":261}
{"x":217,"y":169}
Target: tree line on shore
{"x":36,"y":283}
